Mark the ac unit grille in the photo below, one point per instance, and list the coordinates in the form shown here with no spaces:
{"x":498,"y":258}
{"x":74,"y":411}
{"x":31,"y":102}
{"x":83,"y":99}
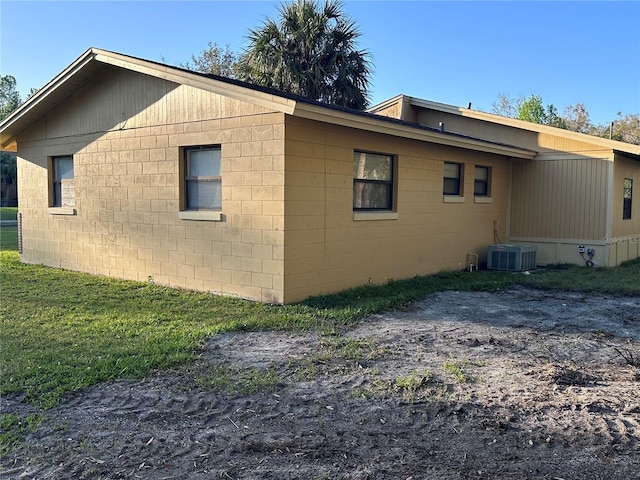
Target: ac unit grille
{"x":514,"y":258}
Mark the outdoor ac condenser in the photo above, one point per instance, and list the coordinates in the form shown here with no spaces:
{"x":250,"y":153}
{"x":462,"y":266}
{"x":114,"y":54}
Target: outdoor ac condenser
{"x":514,"y":258}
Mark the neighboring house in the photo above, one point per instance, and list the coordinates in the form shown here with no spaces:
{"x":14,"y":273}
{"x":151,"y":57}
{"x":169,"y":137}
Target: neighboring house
{"x":138,"y":170}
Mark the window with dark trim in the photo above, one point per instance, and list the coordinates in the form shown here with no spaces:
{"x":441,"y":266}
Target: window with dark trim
{"x":452,"y":181}
{"x":482,"y":181}
{"x":627,"y":193}
{"x":372,"y":181}
{"x":202,"y":178}
{"x":62,"y":182}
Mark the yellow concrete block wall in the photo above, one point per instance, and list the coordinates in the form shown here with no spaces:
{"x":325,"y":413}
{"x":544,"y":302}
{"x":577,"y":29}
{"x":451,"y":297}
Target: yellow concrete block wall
{"x":127,"y":197}
{"x":327,"y":249}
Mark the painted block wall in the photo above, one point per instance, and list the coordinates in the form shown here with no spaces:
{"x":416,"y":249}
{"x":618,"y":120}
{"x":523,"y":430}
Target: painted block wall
{"x":126,"y":221}
{"x":327,"y":250}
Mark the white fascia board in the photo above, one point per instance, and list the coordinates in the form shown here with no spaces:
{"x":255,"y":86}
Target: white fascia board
{"x":381,"y":125}
{"x":171,"y":74}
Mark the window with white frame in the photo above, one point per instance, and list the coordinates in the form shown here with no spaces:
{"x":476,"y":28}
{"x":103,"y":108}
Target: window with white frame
{"x":62,"y":182}
{"x":372,"y":181}
{"x":452,"y":180}
{"x":202,"y":170}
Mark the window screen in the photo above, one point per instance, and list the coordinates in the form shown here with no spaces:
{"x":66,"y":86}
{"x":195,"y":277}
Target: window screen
{"x":203,"y":178}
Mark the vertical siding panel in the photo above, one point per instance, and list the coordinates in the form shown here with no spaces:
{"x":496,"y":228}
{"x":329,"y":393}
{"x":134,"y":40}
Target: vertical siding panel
{"x":564,"y":198}
{"x":573,"y":200}
{"x":555,"y":197}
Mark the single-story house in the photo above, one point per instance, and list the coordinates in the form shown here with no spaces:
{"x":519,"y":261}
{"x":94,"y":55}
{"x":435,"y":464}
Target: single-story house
{"x":138,"y":170}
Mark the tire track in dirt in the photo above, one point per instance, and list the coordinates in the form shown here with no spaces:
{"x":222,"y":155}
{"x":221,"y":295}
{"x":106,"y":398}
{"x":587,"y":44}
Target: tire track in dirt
{"x":543,"y":394}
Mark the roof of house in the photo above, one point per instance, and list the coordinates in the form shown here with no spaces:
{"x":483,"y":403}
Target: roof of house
{"x":94,"y":60}
{"x":614,"y":145}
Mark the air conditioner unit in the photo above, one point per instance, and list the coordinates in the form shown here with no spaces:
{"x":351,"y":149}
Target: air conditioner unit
{"x":514,"y":258}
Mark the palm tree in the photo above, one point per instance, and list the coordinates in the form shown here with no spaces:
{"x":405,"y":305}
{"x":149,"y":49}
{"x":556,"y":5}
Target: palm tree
{"x":311,"y":52}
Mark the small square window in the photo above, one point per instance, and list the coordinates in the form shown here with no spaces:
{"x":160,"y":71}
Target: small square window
{"x":202,"y":178}
{"x":481,"y":183}
{"x":627,"y":194}
{"x":372,"y":181}
{"x":452,"y":182}
{"x":62,"y":182}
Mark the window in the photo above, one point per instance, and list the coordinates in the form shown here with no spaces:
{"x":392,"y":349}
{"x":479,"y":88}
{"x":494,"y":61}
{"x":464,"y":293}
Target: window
{"x":372,"y":181}
{"x":452,"y":184}
{"x":481,"y":182}
{"x":626,"y":195}
{"x":63,"y":190}
{"x":202,"y":178}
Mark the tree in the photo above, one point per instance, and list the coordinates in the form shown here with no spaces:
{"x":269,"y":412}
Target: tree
{"x":311,"y":51}
{"x":530,"y":109}
{"x":9,"y":101}
{"x":625,"y":128}
{"x":9,"y":96}
{"x":576,"y":118}
{"x":214,"y":60}
{"x":506,"y":106}
{"x":8,"y":178}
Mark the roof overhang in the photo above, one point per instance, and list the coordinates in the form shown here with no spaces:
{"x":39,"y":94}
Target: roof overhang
{"x":382,"y":124}
{"x":512,"y":122}
{"x":94,"y":60}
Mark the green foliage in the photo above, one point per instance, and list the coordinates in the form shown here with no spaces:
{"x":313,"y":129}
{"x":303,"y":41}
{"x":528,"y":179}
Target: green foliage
{"x":216,"y":60}
{"x":9,"y":96}
{"x":8,"y":169}
{"x":624,"y":128}
{"x":533,"y":110}
{"x":310,"y":51}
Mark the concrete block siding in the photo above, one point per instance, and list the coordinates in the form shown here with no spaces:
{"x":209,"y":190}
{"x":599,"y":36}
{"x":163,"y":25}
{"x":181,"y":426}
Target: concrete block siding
{"x":127,"y":199}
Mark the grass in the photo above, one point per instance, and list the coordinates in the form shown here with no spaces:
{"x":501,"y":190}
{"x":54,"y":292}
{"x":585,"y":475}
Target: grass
{"x":8,"y":213}
{"x":456,"y":369}
{"x":233,"y":380}
{"x":8,"y":238}
{"x":14,"y":428}
{"x":63,"y":331}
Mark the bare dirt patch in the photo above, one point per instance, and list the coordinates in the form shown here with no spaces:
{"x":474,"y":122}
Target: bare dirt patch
{"x":519,"y":384}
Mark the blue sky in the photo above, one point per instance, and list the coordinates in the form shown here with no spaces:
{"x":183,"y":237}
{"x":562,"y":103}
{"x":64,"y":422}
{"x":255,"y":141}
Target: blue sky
{"x":450,"y":52}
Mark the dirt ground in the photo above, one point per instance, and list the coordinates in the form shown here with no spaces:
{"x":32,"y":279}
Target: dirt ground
{"x":519,"y":384}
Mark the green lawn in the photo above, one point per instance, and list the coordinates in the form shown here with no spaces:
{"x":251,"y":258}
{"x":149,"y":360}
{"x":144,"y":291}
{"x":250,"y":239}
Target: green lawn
{"x":8,"y":213}
{"x":63,"y":331}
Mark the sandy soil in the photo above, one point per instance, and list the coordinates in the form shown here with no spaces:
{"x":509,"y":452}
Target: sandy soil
{"x":519,"y":384}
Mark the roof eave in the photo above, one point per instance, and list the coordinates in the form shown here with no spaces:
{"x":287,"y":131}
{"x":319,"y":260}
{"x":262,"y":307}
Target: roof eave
{"x":524,"y":125}
{"x":55,"y":92}
{"x":28,"y":112}
{"x":399,"y":129}
{"x":184,"y":77}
